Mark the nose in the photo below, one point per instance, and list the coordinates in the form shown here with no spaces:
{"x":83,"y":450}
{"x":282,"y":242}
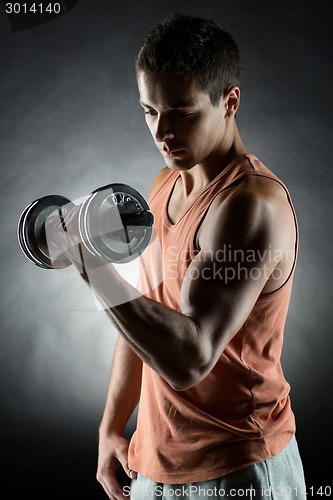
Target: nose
{"x":163,"y":129}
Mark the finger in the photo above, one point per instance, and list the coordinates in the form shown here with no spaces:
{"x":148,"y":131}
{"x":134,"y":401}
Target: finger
{"x":122,"y":456}
{"x":132,"y":474}
{"x":67,"y":223}
{"x":58,"y":236}
{"x":70,"y":213}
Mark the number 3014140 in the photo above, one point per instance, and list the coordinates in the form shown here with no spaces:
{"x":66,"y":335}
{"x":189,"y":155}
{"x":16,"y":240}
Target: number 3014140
{"x":35,"y":8}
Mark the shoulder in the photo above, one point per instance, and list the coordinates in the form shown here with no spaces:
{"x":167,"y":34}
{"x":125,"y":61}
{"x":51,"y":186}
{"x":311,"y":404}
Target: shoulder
{"x":160,"y":176}
{"x":256,"y":204}
{"x":251,"y":193}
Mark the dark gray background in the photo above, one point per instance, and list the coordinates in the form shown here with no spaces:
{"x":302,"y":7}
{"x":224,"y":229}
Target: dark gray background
{"x":70,"y":122}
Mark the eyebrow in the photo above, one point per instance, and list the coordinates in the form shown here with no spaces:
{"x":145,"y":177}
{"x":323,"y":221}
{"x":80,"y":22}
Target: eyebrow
{"x":180,"y":104}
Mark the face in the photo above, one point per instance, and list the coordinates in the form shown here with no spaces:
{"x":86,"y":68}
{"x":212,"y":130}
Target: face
{"x":187,"y":129}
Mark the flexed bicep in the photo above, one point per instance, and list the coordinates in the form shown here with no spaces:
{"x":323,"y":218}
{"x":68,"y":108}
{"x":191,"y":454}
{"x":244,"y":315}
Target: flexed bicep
{"x":238,"y":253}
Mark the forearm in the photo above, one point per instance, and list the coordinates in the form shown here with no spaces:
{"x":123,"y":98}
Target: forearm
{"x":124,"y":389}
{"x":163,"y":338}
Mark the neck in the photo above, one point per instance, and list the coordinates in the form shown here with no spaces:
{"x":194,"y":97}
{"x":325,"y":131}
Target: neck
{"x":195,"y":179}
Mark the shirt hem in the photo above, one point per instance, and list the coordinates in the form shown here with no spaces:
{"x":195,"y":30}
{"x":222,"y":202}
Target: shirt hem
{"x":207,"y":475}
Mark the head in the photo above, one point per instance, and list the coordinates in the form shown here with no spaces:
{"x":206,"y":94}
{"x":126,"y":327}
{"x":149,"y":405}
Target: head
{"x":188,"y":72}
{"x":192,"y":48}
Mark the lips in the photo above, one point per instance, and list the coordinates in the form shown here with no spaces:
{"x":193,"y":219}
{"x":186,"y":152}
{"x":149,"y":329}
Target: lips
{"x":172,"y":152}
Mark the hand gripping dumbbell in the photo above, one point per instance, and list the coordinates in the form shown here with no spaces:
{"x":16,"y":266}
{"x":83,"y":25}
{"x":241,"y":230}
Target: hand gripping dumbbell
{"x":115,"y":225}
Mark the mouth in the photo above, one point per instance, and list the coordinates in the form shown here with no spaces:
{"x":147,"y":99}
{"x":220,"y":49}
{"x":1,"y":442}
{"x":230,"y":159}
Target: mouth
{"x":174,"y":153}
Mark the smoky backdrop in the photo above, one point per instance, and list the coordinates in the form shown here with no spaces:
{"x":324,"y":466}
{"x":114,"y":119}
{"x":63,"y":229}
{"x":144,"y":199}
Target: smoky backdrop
{"x":70,"y":122}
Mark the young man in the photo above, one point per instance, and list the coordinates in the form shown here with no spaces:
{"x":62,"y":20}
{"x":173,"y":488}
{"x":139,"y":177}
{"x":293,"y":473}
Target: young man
{"x":200,"y":352}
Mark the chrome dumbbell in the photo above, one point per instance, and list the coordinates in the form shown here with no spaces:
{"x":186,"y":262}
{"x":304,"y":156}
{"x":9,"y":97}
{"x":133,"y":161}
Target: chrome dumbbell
{"x":115,"y":225}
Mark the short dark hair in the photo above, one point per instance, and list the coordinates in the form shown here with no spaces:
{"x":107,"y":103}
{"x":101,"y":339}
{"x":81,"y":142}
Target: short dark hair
{"x":192,"y":47}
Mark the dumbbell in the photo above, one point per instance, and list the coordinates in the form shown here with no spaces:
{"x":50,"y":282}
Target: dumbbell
{"x":115,"y":225}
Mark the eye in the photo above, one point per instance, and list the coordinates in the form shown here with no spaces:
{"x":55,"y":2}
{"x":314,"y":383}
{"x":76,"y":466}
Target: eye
{"x":182,"y":114}
{"x":150,"y":112}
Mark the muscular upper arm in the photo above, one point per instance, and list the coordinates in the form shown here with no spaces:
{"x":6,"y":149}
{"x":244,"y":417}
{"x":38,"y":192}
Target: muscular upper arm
{"x":241,"y":241}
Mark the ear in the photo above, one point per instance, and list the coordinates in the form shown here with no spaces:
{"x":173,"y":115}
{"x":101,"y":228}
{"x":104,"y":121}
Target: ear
{"x":231,"y":101}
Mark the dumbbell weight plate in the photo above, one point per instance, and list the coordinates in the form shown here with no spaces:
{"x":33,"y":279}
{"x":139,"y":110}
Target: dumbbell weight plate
{"x":31,"y":231}
{"x":103,"y":226}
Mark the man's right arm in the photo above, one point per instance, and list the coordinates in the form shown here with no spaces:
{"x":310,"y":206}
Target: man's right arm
{"x":122,"y":398}
{"x":125,"y":380}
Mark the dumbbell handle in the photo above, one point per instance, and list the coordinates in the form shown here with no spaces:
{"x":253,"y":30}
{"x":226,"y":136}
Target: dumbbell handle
{"x":144,"y":219}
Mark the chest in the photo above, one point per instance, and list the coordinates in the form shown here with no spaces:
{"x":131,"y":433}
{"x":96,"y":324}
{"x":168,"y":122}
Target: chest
{"x":178,"y":204}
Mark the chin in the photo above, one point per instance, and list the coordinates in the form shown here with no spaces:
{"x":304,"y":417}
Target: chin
{"x":182,"y":165}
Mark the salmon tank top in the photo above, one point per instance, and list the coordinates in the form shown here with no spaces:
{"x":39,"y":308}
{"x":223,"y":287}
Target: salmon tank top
{"x":240,"y":413}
